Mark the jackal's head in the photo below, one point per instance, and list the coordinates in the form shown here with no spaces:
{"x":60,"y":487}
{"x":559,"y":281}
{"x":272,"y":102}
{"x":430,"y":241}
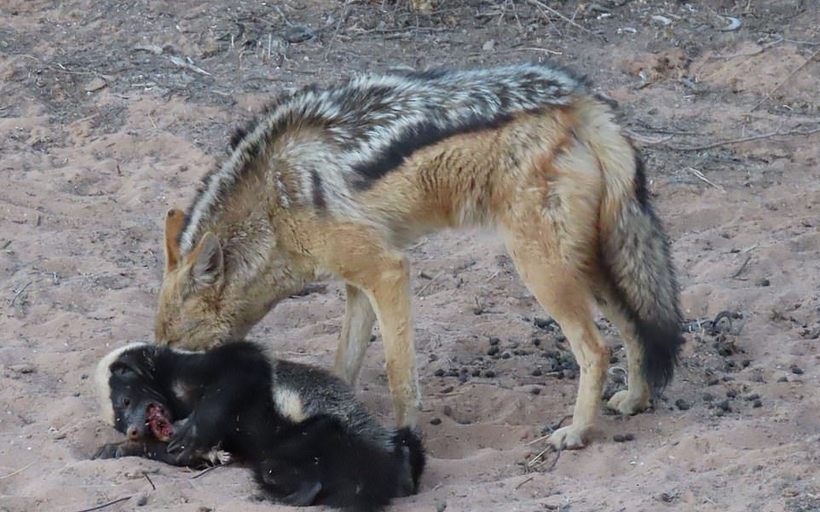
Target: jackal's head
{"x":191,"y":312}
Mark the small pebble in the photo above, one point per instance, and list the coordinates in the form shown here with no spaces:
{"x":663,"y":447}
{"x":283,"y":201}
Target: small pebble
{"x":757,"y":403}
{"x":493,"y":350}
{"x":731,"y":393}
{"x":476,"y":373}
{"x":708,"y":397}
{"x":613,"y":359}
{"x":489,"y":374}
{"x":753,"y":396}
{"x":435,"y":421}
{"x":797,"y":370}
{"x":713,"y":381}
{"x":783,"y":379}
{"x":141,"y":500}
{"x":536,"y":342}
{"x":682,"y":404}
{"x":505,"y":355}
{"x":448,"y":389}
{"x":543,"y":323}
{"x":447,"y":410}
{"x":494,"y":340}
{"x":724,"y":405}
{"x":763,"y":282}
{"x":622,"y":438}
{"x":535,"y":391}
{"x":22,"y":368}
{"x":439,"y":373}
{"x":537,"y":372}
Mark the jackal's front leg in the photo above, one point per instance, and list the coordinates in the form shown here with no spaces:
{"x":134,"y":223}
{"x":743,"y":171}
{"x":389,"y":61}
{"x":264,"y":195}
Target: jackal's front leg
{"x":359,"y":255}
{"x":356,"y":331}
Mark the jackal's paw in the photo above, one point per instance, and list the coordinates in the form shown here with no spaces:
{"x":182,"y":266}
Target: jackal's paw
{"x":567,"y":438}
{"x":627,"y":404}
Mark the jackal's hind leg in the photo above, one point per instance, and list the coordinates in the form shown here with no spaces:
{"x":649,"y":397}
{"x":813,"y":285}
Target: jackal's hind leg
{"x":563,"y":293}
{"x":637,"y":397}
{"x":356,"y":331}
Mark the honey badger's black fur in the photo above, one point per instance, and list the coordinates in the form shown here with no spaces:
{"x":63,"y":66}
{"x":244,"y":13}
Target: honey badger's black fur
{"x":301,"y":430}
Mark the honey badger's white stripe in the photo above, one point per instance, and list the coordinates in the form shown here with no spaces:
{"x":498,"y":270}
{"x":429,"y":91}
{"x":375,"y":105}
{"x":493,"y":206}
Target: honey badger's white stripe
{"x":369,"y":113}
{"x":102,"y":380}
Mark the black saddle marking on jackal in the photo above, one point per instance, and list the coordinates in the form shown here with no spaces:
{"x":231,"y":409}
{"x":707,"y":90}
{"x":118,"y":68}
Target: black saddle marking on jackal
{"x":318,"y":193}
{"x":417,"y":137}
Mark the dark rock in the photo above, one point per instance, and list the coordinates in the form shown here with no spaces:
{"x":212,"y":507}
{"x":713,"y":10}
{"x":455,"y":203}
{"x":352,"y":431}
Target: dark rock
{"x":435,"y":421}
{"x":682,"y":404}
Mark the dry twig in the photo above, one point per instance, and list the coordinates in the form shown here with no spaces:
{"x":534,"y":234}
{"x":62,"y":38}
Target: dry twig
{"x":545,"y":7}
{"x":699,"y":175}
{"x":104,"y":505}
{"x":750,"y":138}
{"x":789,"y":77}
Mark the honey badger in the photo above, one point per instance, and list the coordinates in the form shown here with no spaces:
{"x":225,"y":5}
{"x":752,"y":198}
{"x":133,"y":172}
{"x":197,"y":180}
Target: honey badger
{"x":308,"y":440}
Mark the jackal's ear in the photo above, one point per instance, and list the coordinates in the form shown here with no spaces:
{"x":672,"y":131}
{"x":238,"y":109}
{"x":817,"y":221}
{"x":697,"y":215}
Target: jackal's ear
{"x":174,"y":222}
{"x":208,"y":266}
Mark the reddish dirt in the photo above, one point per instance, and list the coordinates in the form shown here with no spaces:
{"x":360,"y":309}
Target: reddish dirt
{"x":111,"y":111}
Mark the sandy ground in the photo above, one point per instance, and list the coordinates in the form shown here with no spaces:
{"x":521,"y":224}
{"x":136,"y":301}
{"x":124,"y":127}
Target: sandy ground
{"x":110,"y":112}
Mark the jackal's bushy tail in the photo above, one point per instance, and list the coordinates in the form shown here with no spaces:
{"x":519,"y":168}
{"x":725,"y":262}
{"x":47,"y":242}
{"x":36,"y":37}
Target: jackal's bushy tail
{"x":635,"y":251}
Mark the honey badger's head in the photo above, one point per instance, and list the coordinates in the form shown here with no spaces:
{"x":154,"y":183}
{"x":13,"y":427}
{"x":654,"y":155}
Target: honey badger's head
{"x":131,"y":398}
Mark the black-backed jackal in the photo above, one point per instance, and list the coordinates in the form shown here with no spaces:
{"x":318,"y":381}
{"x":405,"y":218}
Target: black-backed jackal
{"x":335,"y":181}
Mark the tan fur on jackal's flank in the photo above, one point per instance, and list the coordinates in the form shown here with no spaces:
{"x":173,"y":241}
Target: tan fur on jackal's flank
{"x":335,"y":182}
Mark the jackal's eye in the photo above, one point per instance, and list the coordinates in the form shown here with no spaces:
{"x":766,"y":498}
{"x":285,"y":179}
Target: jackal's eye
{"x":126,"y":402}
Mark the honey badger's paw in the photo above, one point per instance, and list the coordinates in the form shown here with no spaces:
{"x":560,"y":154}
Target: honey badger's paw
{"x":567,"y":438}
{"x":628,"y":404}
{"x":218,"y":457}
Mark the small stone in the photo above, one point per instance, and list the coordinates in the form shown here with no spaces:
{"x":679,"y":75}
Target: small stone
{"x":535,"y":391}
{"x":435,"y":421}
{"x":757,"y":403}
{"x":622,"y":438}
{"x":494,"y":340}
{"x":83,"y":376}
{"x":22,"y":368}
{"x":682,"y":404}
{"x":141,"y":500}
{"x":476,"y":373}
{"x":543,"y":323}
{"x":713,"y":381}
{"x":796,"y":370}
{"x":752,"y":397}
{"x":613,"y":359}
{"x":493,"y":350}
{"x":724,"y":405}
{"x":299,"y":34}
{"x":505,"y":355}
{"x":448,"y":389}
{"x":783,"y":379}
{"x":536,"y":342}
{"x":447,"y":410}
{"x":489,"y":374}
{"x":708,"y":397}
{"x":537,"y":372}
{"x":439,"y":373}
{"x":731,"y":393}
{"x":763,"y":282}
{"x":452,"y":372}
{"x":95,"y":85}
{"x":489,"y":45}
